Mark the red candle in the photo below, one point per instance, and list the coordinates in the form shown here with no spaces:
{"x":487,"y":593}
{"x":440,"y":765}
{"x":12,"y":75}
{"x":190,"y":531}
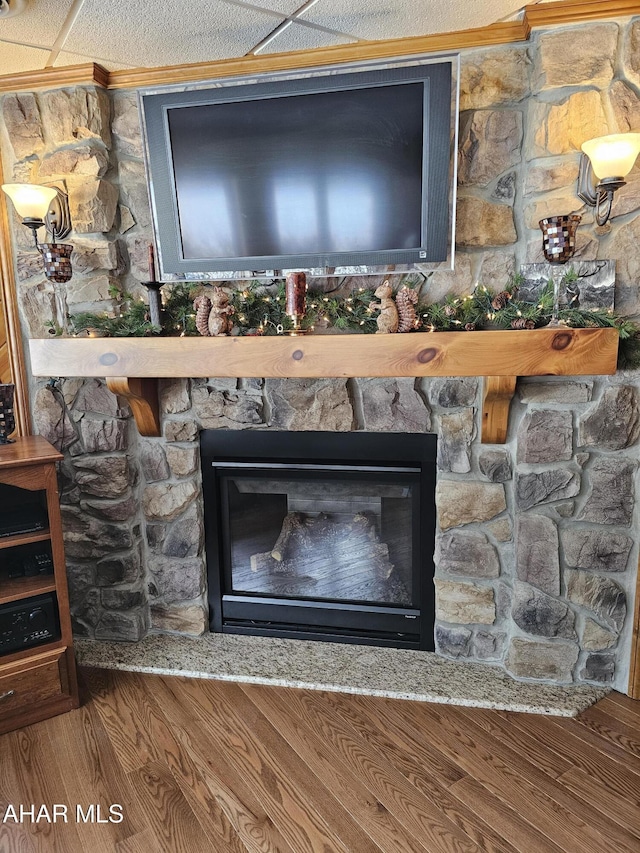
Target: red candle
{"x":296,"y":292}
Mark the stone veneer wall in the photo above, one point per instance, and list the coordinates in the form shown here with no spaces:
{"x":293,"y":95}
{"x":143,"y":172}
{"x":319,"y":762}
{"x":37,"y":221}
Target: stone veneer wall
{"x":536,"y":549}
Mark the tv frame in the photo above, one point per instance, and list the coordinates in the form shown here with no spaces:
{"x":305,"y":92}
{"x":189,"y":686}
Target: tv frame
{"x":439,"y":76}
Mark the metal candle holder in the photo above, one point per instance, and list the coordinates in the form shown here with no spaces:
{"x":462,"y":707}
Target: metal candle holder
{"x":155,"y":301}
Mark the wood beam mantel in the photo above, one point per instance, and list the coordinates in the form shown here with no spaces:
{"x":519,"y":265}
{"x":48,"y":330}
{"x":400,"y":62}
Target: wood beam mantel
{"x":132,"y":365}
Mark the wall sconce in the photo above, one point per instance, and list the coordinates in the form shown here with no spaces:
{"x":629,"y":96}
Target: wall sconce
{"x":46,"y":206}
{"x":609,"y":159}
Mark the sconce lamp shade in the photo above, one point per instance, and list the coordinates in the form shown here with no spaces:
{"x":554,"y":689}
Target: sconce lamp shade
{"x":31,"y":201}
{"x":613,"y":156}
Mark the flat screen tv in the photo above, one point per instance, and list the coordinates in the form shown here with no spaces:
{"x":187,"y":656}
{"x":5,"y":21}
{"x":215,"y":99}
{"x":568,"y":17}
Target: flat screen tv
{"x":339,"y":170}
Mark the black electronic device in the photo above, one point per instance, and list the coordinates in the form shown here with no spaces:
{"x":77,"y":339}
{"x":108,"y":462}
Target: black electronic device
{"x":311,"y":171}
{"x":28,"y":623}
{"x":30,"y":561}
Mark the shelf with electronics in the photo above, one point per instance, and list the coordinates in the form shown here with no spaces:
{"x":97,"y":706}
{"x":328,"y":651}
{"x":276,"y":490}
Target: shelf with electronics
{"x":37,"y":669}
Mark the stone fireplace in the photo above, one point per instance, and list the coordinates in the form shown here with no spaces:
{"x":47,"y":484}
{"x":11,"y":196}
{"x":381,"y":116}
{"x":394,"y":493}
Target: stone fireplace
{"x":536,"y":547}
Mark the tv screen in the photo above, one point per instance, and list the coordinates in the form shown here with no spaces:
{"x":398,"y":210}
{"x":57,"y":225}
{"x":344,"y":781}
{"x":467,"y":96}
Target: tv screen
{"x":337,"y":170}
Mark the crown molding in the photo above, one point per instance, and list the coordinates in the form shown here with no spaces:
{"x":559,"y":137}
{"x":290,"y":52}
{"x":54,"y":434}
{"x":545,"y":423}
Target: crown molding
{"x":90,"y":74}
{"x":535,"y":16}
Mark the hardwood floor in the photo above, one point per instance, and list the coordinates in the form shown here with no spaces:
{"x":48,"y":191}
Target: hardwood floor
{"x":198,"y":766}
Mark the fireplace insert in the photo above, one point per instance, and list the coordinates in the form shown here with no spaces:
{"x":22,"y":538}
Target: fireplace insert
{"x":320,"y":535}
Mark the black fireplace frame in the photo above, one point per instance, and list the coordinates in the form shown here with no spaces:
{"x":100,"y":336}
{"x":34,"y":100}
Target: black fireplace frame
{"x":329,"y":454}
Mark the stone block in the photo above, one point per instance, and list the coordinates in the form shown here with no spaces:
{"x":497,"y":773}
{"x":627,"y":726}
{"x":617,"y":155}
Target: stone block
{"x":97,"y":254}
{"x":596,"y":550}
{"x":176,"y":580}
{"x":453,"y":642}
{"x":174,"y":396}
{"x":129,"y":627}
{"x":566,"y":202}
{"x":121,"y":599}
{"x":576,"y":56}
{"x":611,"y":498}
{"x":217,"y":409}
{"x":600,"y":668}
{"x":624,"y":245}
{"x":93,"y":204}
{"x":453,"y":393}
{"x":545,"y":177}
{"x":537,"y":613}
{"x":495,"y":465}
{"x":463,"y":502}
{"x":28,"y":264}
{"x":51,"y":420}
{"x":85,"y":160}
{"x":94,"y":396}
{"x":492,"y":77}
{"x":563,"y":126}
{"x":186,"y":430}
{"x":99,"y":436}
{"x":112,"y":510}
{"x":465,"y":553}
{"x":393,"y":405}
{"x":79,"y":113}
{"x":489,"y":646}
{"x":457,"y":431}
{"x":595,"y":637}
{"x":127,"y":133}
{"x":545,"y":435}
{"x":166,"y":501}
{"x":89,"y":538}
{"x":102,"y":476}
{"x":191,"y":619}
{"x":566,"y":391}
{"x":183,"y":461}
{"x":23,"y":123}
{"x":500,"y":530}
{"x":87,"y":609}
{"x":185,"y":537}
{"x":631,"y":54}
{"x":537,"y":558}
{"x":309,"y":404}
{"x":614,"y":422}
{"x":545,"y":486}
{"x":87,"y":291}
{"x":497,"y":267}
{"x":439,"y":283}
{"x":153,"y":460}
{"x":464,"y":602}
{"x":603,"y":596}
{"x":550,"y":661}
{"x":121,"y":569}
{"x":490,"y":142}
{"x":134,"y":192}
{"x":626,"y":107}
{"x":482,"y":223}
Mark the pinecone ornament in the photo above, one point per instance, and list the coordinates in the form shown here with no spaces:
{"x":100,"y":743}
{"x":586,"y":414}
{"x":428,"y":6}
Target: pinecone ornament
{"x":469,"y":327}
{"x":500,"y":300}
{"x":521,"y":323}
{"x":449,"y":311}
{"x":202,"y":304}
{"x":406,"y":300}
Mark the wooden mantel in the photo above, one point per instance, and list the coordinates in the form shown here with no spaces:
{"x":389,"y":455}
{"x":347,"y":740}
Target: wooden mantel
{"x":131,"y":366}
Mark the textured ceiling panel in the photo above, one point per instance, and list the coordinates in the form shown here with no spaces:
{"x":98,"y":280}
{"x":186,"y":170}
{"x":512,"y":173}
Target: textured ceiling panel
{"x":15,"y":58}
{"x":385,"y":19}
{"x":65,"y":58}
{"x":298,"y":37}
{"x":39,"y":24}
{"x":148,"y":33}
{"x":284,"y":7}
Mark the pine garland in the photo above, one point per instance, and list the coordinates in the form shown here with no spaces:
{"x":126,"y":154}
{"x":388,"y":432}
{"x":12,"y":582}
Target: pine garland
{"x":260,"y":309}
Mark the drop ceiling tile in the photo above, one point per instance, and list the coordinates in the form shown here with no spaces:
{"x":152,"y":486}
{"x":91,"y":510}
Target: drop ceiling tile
{"x":38,"y":25}
{"x":284,"y":7}
{"x":385,"y":19}
{"x":148,"y":33}
{"x":15,"y":58}
{"x":299,"y":37}
{"x":66,"y":58}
